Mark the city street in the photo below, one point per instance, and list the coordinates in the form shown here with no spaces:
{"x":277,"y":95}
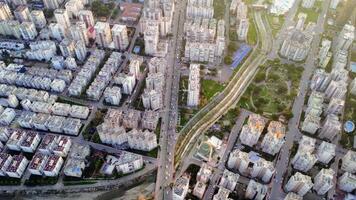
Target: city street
{"x":165,"y":172}
{"x":293,"y":133}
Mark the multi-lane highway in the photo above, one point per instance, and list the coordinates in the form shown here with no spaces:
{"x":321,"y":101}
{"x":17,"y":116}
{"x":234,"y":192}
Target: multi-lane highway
{"x":168,"y":135}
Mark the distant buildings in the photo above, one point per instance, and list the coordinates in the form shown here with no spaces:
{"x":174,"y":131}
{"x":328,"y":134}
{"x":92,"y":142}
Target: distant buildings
{"x":274,"y":139}
{"x":347,"y":182}
{"x":180,"y":188}
{"x":311,"y":124}
{"x":297,"y":42}
{"x":308,"y":3}
{"x":334,"y":4}
{"x":87,"y":17}
{"x":159,"y":12}
{"x":251,"y":132}
{"x":251,"y":164}
{"x":5,"y":12}
{"x":326,"y":152}
{"x":103,"y":36}
{"x":345,"y":38}
{"x":281,"y":7}
{"x":296,"y":46}
{"x":349,"y":162}
{"x":256,"y":190}
{"x":299,"y":184}
{"x":113,"y":130}
{"x":124,"y":163}
{"x":62,"y":17}
{"x":331,"y":127}
{"x":242,"y":21}
{"x":323,"y":181}
{"x":156,"y":21}
{"x":194,"y":85}
{"x":201,"y":45}
{"x":38,"y":18}
{"x":229,"y":180}
{"x":120,"y":37}
{"x":51,"y":4}
{"x":200,"y":9}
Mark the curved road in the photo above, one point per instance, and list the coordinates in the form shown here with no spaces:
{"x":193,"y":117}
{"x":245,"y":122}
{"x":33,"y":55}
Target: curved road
{"x":234,"y":89}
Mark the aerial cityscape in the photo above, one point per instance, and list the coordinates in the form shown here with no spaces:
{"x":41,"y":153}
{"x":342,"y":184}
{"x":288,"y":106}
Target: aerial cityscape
{"x":177,"y":99}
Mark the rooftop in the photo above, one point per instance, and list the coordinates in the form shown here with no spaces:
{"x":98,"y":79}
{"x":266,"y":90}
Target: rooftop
{"x":51,"y":162}
{"x":37,"y":161}
{"x":15,"y":163}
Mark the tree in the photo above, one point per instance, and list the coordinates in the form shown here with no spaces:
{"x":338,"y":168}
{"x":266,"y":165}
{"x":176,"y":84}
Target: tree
{"x":232,"y":47}
{"x":260,"y":77}
{"x":228,"y":60}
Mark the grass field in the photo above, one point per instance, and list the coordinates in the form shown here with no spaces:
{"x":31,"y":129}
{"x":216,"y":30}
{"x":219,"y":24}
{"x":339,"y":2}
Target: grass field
{"x":313,"y":13}
{"x":208,"y":89}
{"x":275,"y":22}
{"x":273,"y":89}
{"x":219,"y":9}
{"x":252,"y":31}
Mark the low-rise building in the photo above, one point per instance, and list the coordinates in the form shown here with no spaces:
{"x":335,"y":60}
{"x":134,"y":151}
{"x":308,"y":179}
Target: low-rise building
{"x":7,"y":116}
{"x":15,"y":140}
{"x":62,"y":146}
{"x":71,"y":126}
{"x":17,"y":166}
{"x":30,"y":142}
{"x":124,"y":163}
{"x":37,"y":164}
{"x":74,"y":167}
{"x":80,"y":112}
{"x":48,"y":143}
{"x":61,"y":109}
{"x":5,"y":161}
{"x":53,"y":165}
